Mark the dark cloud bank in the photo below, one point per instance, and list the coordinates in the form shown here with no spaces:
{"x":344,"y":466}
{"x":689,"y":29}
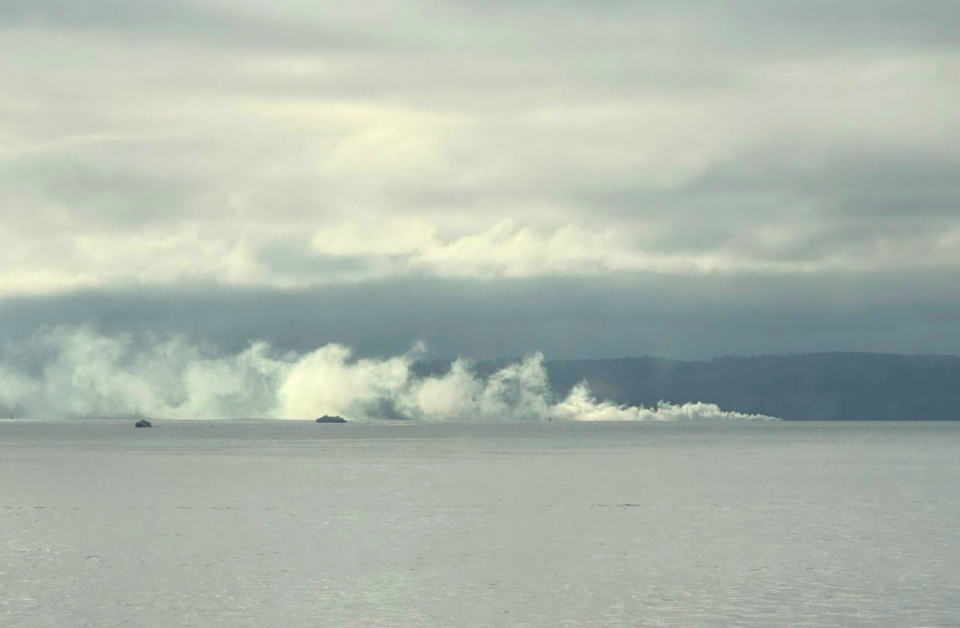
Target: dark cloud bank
{"x":609,"y":317}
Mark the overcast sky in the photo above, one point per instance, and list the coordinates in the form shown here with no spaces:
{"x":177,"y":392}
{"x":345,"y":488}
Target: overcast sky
{"x":591,"y":179}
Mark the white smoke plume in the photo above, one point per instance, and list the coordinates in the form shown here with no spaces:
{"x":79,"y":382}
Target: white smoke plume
{"x":76,"y":372}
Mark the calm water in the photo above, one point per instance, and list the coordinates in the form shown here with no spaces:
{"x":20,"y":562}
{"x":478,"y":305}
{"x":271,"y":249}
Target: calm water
{"x":297,"y":524}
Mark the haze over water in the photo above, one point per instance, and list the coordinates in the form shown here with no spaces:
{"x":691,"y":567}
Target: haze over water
{"x":257,"y":523}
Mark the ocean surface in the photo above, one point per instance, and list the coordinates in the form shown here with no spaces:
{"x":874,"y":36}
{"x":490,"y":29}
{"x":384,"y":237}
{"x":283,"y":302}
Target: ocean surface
{"x":289,"y":524}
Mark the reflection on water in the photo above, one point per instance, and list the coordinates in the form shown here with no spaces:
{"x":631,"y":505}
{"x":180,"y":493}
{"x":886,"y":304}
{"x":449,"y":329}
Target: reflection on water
{"x":249,"y":523}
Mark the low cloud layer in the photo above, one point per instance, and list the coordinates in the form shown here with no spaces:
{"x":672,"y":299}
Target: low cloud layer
{"x":587,"y":317}
{"x":74,"y":372}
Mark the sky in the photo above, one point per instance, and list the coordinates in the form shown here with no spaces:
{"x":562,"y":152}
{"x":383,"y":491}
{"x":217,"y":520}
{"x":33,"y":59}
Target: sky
{"x":586,"y":179}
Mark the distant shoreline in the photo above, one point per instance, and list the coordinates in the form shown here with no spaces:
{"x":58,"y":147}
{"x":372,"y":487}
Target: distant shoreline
{"x":794,"y":387}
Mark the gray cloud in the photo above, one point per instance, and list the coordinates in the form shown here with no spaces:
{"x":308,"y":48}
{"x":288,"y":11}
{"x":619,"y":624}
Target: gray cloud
{"x":340,"y":160}
{"x":887,"y":21}
{"x":183,"y":21}
{"x":612,"y":317}
{"x":112,"y":193}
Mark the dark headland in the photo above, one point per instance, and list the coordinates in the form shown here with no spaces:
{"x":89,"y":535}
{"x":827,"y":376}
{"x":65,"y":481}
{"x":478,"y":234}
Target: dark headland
{"x":814,"y":386}
{"x":331,"y":419}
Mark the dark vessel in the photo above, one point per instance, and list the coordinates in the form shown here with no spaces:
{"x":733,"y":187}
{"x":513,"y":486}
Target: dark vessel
{"x":331,"y":419}
{"x":143,"y":423}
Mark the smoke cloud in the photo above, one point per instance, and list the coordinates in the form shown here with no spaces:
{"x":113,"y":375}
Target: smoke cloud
{"x":77,"y":372}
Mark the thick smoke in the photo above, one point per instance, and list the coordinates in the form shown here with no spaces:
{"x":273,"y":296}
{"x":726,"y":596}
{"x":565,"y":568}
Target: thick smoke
{"x":75,"y":372}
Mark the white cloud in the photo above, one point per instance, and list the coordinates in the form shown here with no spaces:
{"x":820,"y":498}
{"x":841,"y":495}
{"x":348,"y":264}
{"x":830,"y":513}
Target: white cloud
{"x":185,"y":142}
{"x":581,"y":405}
{"x":385,"y":239}
{"x":167,"y":256}
{"x":83,"y":374}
